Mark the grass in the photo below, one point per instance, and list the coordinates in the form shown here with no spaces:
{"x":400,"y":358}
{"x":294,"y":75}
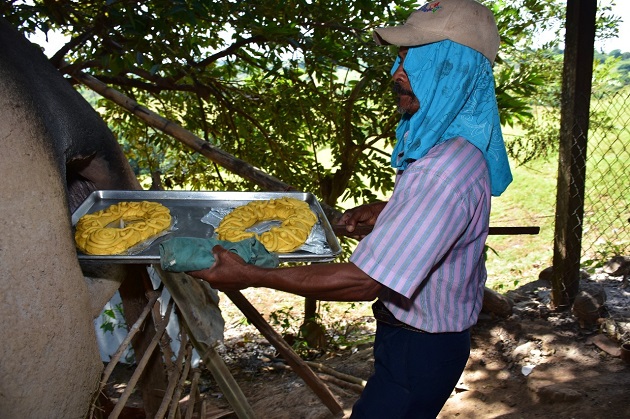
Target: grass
{"x":529,"y":201}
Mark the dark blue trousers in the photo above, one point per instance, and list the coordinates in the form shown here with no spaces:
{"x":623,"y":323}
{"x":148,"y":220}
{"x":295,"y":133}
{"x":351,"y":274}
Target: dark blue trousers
{"x":415,"y":373}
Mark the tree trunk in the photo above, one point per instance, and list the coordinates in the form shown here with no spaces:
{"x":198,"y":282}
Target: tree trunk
{"x":576,"y":94}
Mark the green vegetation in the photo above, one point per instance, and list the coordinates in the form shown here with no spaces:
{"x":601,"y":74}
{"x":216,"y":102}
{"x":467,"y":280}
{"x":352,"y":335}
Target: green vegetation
{"x":113,"y":318}
{"x":270,"y":83}
{"x":621,"y":64}
{"x":530,"y":200}
{"x":344,"y":323}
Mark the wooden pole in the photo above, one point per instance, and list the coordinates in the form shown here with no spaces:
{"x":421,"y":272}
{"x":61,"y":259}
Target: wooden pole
{"x":212,"y":360}
{"x":574,"y":123}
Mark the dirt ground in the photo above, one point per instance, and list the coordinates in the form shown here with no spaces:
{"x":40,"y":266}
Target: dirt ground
{"x":534,"y":364}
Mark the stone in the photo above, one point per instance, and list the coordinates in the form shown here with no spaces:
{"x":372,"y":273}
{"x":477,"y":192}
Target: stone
{"x":557,"y":393}
{"x":547,"y":275}
{"x":524,"y":350}
{"x":588,"y":306}
{"x":605,"y":344}
{"x":618,"y":266}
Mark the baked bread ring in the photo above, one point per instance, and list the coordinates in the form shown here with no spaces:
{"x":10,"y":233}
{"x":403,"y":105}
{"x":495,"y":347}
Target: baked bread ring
{"x":95,"y":234}
{"x":296,"y":217}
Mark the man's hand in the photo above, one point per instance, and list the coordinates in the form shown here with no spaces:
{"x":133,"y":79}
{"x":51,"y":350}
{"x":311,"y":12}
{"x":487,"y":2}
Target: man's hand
{"x":362,"y":215}
{"x":227,"y":273}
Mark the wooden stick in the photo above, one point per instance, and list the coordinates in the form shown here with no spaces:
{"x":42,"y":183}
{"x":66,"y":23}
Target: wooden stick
{"x":327,"y":370}
{"x":213,"y":361}
{"x":174,"y":375}
{"x":165,"y":343}
{"x":508,"y":231}
{"x":109,"y":369}
{"x":362,"y":230}
{"x":204,"y":407}
{"x":182,"y":381}
{"x":192,"y":397}
{"x":297,"y":364}
{"x":142,"y":364}
{"x":342,"y":383}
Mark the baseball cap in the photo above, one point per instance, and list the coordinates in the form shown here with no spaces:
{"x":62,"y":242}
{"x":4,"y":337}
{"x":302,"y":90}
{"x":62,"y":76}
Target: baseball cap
{"x":466,"y":22}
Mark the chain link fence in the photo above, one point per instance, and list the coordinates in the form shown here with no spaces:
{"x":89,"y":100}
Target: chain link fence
{"x":606,"y":230}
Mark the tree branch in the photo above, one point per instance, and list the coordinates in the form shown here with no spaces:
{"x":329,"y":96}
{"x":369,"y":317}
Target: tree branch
{"x":229,"y":50}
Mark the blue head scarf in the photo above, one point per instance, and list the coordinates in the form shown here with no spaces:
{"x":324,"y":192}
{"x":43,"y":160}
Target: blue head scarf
{"x":455,"y":87}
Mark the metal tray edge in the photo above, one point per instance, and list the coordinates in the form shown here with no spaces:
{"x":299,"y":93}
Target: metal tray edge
{"x":331,"y":238}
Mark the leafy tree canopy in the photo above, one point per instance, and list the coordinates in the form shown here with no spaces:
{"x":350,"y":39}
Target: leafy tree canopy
{"x":297,"y":88}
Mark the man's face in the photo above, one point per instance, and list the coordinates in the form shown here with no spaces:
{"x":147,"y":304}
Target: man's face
{"x":407,"y":100}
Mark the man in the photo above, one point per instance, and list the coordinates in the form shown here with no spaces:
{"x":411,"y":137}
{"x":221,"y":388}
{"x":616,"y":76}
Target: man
{"x":424,"y":258}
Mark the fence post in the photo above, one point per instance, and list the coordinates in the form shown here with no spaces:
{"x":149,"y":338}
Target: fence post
{"x":574,"y":123}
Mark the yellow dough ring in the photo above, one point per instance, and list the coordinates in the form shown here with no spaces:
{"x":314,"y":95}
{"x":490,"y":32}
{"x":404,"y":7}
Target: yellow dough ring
{"x":95,"y":234}
{"x":296,"y":217}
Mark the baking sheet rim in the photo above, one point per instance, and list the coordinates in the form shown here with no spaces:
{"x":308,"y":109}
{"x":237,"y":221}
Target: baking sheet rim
{"x":161,"y":196}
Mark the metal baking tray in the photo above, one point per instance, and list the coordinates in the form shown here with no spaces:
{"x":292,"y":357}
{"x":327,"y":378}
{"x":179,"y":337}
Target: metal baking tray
{"x":188,"y":208}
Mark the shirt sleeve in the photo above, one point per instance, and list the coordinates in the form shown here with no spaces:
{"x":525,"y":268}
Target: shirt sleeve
{"x":422,"y":221}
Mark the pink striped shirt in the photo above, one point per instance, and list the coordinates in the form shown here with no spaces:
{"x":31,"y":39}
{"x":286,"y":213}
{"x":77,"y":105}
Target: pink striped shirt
{"x":427,"y":246}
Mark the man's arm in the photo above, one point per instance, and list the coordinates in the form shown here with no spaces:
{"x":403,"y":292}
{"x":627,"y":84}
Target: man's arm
{"x":331,"y":282}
